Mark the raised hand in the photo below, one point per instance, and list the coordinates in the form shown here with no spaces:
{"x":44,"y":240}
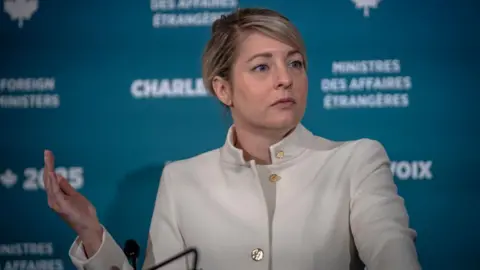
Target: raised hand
{"x":71,"y":206}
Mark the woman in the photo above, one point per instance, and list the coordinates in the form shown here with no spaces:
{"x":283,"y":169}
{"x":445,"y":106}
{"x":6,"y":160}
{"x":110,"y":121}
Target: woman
{"x":274,"y":196}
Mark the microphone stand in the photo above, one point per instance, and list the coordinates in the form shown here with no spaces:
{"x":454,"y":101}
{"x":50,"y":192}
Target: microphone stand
{"x":178,"y":256}
{"x":132,"y":249}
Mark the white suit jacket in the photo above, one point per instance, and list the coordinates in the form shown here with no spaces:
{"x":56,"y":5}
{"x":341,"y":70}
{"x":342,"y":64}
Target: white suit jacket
{"x":336,"y":206}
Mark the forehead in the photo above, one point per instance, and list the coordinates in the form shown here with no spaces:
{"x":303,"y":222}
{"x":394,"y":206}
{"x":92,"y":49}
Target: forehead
{"x":254,"y":43}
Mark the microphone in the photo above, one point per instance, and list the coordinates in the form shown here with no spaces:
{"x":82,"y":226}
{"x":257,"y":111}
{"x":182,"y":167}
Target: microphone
{"x":131,"y":250}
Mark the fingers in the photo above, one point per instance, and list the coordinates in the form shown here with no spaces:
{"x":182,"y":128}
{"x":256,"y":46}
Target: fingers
{"x":48,"y":167}
{"x":54,"y":184}
{"x":49,"y":161}
{"x":56,"y":197}
{"x":65,"y":186}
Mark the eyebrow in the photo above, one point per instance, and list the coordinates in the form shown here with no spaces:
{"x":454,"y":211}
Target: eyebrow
{"x":269,"y":55}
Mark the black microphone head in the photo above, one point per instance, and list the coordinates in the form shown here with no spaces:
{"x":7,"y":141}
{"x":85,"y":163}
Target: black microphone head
{"x":131,"y":248}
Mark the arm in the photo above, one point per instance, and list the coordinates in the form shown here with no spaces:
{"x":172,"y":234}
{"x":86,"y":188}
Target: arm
{"x":109,"y":256}
{"x":379,"y":220}
{"x":164,"y":240}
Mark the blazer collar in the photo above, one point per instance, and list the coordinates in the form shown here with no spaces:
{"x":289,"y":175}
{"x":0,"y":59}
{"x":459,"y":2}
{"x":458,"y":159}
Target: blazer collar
{"x":287,"y":149}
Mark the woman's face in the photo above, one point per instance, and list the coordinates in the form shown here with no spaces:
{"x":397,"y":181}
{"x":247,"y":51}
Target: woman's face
{"x":269,"y":84}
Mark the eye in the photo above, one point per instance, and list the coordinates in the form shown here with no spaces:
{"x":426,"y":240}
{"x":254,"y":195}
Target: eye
{"x":296,"y":64}
{"x":261,"y":67}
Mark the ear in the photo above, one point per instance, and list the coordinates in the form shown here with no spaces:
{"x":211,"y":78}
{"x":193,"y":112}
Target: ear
{"x":223,"y":90}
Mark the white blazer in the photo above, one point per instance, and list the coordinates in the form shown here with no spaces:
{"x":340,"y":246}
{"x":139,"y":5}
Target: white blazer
{"x":336,"y":206}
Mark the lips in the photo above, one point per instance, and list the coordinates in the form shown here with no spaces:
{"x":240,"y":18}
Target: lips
{"x":284,"y":101}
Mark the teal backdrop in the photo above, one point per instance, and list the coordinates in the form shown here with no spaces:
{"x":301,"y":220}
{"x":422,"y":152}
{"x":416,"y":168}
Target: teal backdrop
{"x":112,"y":87}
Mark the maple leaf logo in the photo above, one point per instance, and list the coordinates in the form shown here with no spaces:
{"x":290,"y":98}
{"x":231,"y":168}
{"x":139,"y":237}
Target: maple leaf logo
{"x":366,"y":5}
{"x":20,"y":10}
{"x":8,"y":179}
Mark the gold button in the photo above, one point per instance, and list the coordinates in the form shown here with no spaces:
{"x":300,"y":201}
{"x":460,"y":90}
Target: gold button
{"x":274,"y":178}
{"x":280,"y":154}
{"x":257,"y":254}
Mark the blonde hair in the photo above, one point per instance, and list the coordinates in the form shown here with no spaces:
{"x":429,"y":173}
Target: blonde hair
{"x":221,"y":50}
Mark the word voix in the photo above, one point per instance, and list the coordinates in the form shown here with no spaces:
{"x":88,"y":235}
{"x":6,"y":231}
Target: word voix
{"x":412,"y":170}
{"x":33,"y":178}
{"x":168,"y":88}
{"x":30,"y":249}
{"x":28,"y":93}
{"x":179,"y":13}
{"x":362,"y":85}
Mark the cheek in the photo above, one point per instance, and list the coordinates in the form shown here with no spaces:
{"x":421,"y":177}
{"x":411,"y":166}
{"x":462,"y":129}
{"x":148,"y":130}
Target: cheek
{"x":302,"y":87}
{"x":252,"y":91}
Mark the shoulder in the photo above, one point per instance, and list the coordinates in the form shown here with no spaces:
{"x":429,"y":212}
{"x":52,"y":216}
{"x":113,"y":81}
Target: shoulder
{"x":192,"y":167}
{"x":365,"y":148}
{"x":367,"y":152}
{"x":354,"y":150}
{"x":361,"y":161}
{"x":364,"y":161}
{"x":351,"y":156}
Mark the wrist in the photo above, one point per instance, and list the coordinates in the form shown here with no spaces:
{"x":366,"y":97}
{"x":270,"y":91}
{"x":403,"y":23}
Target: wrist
{"x":91,"y":240}
{"x":94,"y":233}
{"x":90,"y":230}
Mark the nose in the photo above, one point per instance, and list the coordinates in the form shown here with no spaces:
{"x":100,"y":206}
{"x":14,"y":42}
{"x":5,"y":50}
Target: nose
{"x":284,"y":78}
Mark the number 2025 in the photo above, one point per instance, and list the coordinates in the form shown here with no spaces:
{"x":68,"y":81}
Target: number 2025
{"x":34,"y":177}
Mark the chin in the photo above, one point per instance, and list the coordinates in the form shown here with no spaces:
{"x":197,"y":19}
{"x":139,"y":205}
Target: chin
{"x":284,"y":122}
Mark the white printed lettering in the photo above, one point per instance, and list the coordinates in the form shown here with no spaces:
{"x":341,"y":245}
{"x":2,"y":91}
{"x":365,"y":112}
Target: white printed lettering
{"x":168,"y":88}
{"x":415,"y":170}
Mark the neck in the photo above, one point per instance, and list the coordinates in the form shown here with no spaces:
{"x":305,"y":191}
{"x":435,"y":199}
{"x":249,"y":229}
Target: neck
{"x":256,"y":143}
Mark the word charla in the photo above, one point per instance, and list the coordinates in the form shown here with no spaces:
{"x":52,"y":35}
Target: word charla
{"x":168,"y":88}
{"x":412,"y":170}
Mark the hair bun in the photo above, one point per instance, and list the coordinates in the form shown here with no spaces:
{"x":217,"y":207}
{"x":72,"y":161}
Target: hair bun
{"x":217,"y":24}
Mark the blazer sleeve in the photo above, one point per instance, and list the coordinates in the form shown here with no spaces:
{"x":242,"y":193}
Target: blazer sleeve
{"x":164,"y":240}
{"x":378,"y":217}
{"x":109,"y":256}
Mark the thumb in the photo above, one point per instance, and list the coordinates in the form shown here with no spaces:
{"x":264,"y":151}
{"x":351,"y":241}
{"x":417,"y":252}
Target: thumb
{"x":65,"y":186}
